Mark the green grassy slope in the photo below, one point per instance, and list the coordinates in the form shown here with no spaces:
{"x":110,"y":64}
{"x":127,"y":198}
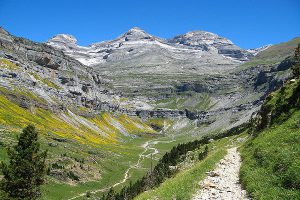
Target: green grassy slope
{"x":271,"y":161}
{"x":100,"y":166}
{"x":93,"y":148}
{"x":74,"y":148}
{"x":273,"y":54}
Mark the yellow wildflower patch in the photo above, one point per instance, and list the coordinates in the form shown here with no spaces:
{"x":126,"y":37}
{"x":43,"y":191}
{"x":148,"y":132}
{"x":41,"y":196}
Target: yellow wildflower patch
{"x":102,"y":129}
{"x":4,"y":63}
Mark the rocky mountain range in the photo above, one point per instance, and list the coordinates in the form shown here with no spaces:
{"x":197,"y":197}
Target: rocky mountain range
{"x":197,"y":74}
{"x":139,"y":54}
{"x":137,"y":42}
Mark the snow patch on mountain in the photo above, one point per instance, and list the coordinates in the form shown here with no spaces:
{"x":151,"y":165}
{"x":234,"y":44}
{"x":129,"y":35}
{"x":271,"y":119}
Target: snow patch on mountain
{"x":259,"y":49}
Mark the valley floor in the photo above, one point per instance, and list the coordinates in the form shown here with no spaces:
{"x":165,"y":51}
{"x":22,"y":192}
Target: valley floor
{"x":147,"y":146}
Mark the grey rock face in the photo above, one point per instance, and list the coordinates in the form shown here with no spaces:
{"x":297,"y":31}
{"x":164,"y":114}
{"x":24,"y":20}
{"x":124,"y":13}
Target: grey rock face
{"x":136,"y":43}
{"x":49,"y":74}
{"x":5,"y":36}
{"x":207,"y":41}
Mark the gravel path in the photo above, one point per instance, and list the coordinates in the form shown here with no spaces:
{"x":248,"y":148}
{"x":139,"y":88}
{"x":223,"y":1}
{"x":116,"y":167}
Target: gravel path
{"x":223,"y":182}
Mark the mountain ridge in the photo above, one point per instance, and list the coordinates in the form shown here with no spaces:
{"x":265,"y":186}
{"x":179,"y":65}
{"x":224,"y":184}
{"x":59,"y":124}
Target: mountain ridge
{"x":198,"y":40}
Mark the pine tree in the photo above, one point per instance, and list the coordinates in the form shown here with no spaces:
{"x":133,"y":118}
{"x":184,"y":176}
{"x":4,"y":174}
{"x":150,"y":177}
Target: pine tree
{"x":25,"y":173}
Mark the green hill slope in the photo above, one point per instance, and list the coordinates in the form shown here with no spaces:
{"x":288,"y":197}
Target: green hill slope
{"x":271,"y":162}
{"x":273,"y":54}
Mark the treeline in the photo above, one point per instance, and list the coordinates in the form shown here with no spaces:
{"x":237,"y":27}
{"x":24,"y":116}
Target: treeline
{"x":166,"y":166}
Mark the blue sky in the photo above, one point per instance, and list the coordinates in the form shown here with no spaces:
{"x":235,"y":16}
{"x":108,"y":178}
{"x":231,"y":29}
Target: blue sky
{"x":248,"y":23}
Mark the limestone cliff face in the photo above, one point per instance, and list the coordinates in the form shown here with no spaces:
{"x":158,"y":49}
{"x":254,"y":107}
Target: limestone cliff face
{"x":49,"y":74}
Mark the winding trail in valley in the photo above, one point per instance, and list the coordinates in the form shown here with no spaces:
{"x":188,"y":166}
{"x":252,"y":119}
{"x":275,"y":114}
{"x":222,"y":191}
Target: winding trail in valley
{"x":146,"y":146}
{"x":223,"y":182}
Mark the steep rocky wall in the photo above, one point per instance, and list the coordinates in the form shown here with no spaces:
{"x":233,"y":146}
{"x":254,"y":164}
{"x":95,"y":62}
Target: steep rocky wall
{"x":50,"y":74}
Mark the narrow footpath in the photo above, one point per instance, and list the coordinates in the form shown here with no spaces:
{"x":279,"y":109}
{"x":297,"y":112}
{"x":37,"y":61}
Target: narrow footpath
{"x":223,"y":182}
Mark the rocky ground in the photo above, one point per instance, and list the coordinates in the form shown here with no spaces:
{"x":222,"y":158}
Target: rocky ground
{"x":223,"y":182}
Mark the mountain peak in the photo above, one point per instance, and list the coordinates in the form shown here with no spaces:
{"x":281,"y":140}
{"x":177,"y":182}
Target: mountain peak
{"x":200,"y":32}
{"x":136,"y":33}
{"x":256,"y":51}
{"x":63,"y":38}
{"x":210,"y":41}
{"x":202,"y":37}
{"x":135,"y":29}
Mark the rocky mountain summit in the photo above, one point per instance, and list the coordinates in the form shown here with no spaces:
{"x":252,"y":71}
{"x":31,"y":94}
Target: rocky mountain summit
{"x":207,"y":41}
{"x":103,"y":51}
{"x":136,"y":42}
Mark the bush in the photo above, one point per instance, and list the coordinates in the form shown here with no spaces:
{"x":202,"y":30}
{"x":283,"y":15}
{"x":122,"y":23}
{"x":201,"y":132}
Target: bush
{"x":88,"y":194}
{"x":73,"y":176}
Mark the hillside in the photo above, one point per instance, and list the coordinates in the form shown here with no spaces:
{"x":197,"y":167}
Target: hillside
{"x":274,"y":54}
{"x":270,"y":167}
